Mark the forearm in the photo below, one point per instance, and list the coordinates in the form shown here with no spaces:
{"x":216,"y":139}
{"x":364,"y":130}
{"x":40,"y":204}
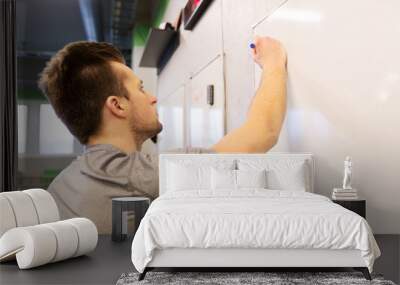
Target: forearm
{"x":267,"y":111}
{"x":264,"y":120}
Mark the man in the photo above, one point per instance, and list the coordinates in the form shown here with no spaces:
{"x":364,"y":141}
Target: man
{"x":105,"y":107}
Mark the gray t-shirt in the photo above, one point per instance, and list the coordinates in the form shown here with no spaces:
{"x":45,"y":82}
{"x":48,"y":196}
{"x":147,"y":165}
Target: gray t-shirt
{"x":102,"y":172}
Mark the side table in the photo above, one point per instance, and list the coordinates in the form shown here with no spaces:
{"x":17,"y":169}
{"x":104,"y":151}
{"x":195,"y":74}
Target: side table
{"x":357,"y":206}
{"x":121,"y":208}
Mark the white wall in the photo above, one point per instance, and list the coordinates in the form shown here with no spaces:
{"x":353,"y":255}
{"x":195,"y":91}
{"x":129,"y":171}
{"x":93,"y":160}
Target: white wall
{"x":343,"y":84}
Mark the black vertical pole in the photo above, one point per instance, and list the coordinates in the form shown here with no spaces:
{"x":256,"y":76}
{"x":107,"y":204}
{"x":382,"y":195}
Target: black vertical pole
{"x":8,"y":98}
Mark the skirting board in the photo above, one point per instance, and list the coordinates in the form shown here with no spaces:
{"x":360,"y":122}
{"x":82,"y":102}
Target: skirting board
{"x":230,"y":257}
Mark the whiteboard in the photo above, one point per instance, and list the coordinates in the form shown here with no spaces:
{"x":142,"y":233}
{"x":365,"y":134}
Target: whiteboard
{"x":171,"y":114}
{"x":206,"y":123}
{"x":344,"y":94}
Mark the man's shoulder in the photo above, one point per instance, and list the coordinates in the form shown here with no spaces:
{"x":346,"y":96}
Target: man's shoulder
{"x":68,"y":173}
{"x":110,"y":165}
{"x":198,"y":150}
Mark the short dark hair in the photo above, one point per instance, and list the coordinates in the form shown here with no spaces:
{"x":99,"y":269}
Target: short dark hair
{"x":78,"y":80}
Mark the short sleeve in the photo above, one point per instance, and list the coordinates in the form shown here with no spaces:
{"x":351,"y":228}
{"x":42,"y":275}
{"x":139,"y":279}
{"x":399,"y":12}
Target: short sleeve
{"x":143,"y":175}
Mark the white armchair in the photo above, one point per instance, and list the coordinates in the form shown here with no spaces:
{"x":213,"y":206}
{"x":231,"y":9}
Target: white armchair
{"x":31,"y":230}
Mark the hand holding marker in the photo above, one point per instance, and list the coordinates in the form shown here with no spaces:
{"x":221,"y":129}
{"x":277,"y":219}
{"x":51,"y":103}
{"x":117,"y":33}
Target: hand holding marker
{"x":268,"y":53}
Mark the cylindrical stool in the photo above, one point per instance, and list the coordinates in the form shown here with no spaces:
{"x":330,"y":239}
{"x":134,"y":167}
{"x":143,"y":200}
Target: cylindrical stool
{"x":121,"y":208}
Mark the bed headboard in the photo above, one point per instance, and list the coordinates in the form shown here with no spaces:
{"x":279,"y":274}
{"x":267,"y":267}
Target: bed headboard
{"x":212,"y":159}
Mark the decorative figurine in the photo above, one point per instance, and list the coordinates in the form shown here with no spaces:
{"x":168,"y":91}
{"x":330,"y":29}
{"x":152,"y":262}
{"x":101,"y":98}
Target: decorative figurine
{"x":346,"y":192}
{"x":347,"y":173}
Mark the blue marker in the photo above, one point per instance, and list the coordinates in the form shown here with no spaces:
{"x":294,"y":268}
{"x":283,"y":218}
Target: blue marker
{"x":252,"y":45}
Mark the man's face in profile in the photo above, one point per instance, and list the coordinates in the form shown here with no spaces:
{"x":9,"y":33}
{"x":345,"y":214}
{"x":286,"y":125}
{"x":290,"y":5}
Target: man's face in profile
{"x":143,"y":116}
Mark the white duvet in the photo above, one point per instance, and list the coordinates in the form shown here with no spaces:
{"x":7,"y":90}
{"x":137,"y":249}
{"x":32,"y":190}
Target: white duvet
{"x":251,"y":218}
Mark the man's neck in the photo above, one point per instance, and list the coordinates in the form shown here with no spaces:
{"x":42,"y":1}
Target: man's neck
{"x":127,"y":144}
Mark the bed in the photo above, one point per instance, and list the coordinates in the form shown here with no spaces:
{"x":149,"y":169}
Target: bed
{"x":247,"y":210}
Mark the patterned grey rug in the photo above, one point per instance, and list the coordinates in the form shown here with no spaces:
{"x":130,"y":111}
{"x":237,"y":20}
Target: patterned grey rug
{"x":269,"y":278}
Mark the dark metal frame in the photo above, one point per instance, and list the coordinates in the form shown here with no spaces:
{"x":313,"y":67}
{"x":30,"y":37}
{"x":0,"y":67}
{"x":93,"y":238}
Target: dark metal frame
{"x":364,"y":270}
{"x":192,"y":14}
{"x":8,"y":97}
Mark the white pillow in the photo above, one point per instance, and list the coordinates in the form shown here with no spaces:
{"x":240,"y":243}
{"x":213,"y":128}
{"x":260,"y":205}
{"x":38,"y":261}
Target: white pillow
{"x":287,"y":179}
{"x":223,"y":179}
{"x":187,"y":177}
{"x":251,"y":178}
{"x":282,"y":174}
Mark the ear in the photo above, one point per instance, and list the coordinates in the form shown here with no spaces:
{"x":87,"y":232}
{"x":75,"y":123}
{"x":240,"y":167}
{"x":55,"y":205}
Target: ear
{"x":117,"y":106}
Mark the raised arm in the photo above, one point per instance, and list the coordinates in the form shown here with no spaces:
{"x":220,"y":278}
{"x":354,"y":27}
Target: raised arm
{"x":266,"y":114}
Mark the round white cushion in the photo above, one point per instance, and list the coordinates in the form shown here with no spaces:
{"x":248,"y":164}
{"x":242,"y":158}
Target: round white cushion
{"x":41,"y":244}
{"x":87,"y":233}
{"x":67,"y":240}
{"x":7,"y":220}
{"x":46,"y":207}
{"x":23,"y":208}
{"x":33,"y":246}
{"x":26,"y":208}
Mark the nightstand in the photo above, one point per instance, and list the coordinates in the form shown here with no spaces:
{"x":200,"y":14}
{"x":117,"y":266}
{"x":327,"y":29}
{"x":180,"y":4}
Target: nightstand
{"x":357,"y":206}
{"x":122,"y":208}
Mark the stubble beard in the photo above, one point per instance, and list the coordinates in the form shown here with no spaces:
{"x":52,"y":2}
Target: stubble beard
{"x":147,"y":131}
